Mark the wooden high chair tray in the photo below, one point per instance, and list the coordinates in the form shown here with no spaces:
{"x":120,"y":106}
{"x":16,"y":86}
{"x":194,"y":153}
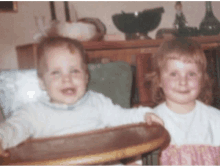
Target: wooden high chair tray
{"x":92,"y":147}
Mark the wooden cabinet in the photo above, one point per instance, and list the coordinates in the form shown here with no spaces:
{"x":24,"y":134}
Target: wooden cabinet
{"x":213,"y":68}
{"x":114,"y":50}
{"x":127,"y":51}
{"x":26,"y":56}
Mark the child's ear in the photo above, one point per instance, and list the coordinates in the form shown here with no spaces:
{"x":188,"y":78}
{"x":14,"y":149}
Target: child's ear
{"x":41,"y":84}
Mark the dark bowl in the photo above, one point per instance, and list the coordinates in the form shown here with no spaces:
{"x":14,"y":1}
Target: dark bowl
{"x":141,"y":22}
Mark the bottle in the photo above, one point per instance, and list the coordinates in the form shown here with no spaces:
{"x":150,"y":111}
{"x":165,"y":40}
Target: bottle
{"x":210,"y":24}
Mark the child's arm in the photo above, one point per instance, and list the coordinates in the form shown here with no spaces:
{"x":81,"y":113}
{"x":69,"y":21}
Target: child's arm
{"x":16,"y":129}
{"x":114,"y":115}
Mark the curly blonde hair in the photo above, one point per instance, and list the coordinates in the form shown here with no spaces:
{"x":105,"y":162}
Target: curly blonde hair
{"x":186,"y":50}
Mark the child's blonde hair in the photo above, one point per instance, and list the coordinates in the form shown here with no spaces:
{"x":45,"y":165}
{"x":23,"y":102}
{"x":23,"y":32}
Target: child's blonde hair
{"x":186,"y":50}
{"x":51,"y":42}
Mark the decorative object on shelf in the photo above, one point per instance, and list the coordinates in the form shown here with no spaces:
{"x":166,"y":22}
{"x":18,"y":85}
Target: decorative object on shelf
{"x":187,"y":31}
{"x":52,"y":29}
{"x":180,"y":19}
{"x":40,"y":23}
{"x":44,"y":30}
{"x":180,"y":23}
{"x":77,"y":30}
{"x":67,"y":12}
{"x":100,"y":26}
{"x":74,"y":29}
{"x":86,"y":29}
{"x":210,"y":24}
{"x":165,"y":33}
{"x":137,"y":25}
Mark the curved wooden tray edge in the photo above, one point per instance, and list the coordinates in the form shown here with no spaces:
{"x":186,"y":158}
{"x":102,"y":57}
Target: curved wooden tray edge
{"x":114,"y":155}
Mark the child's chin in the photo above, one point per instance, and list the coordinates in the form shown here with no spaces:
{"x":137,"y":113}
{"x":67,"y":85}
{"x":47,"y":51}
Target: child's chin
{"x":66,"y":102}
{"x":69,"y":102}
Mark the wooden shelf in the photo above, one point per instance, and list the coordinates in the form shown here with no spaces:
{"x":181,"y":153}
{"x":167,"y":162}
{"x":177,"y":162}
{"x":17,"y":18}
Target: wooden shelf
{"x":206,"y":41}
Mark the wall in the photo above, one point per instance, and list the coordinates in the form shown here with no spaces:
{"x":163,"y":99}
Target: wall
{"x":19,"y":28}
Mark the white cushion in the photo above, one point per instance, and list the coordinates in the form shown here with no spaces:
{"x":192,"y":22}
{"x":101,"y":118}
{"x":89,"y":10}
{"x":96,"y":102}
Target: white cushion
{"x":18,"y":87}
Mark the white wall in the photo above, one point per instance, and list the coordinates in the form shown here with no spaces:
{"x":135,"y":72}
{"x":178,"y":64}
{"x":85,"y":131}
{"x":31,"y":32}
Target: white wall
{"x":19,"y":28}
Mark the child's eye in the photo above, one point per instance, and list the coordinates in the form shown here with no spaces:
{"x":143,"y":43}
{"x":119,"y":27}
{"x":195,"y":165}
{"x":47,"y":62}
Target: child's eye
{"x":55,"y":72}
{"x":173,"y":74}
{"x":192,"y":74}
{"x":74,"y":71}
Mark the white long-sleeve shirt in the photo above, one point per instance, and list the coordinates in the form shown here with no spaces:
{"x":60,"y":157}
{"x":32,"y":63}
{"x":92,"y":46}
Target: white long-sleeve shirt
{"x":44,"y":119}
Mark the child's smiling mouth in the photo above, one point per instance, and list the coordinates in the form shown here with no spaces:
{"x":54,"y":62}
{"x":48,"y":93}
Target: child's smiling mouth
{"x":69,"y":91}
{"x":183,"y":92}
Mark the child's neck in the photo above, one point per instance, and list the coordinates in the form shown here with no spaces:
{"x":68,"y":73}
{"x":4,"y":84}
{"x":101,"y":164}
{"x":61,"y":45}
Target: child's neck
{"x":181,"y":108}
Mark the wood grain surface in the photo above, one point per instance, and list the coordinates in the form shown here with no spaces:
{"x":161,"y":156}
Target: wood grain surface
{"x":99,"y":146}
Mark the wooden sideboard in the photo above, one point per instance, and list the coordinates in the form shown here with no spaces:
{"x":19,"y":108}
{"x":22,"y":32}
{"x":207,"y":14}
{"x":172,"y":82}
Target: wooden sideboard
{"x":114,"y":50}
{"x":128,"y":50}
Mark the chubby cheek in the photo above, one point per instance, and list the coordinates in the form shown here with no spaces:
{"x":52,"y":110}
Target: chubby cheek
{"x":167,"y":84}
{"x":52,"y":88}
{"x":50,"y":85}
{"x":78,"y":80}
{"x":81,"y":80}
{"x":195,"y":84}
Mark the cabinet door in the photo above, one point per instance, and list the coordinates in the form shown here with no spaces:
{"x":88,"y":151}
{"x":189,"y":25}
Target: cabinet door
{"x":213,"y":68}
{"x":27,"y":56}
{"x":143,"y":66}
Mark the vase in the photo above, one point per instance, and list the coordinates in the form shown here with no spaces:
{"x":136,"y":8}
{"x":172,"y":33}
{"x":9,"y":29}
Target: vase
{"x":41,"y":28}
{"x":210,"y":24}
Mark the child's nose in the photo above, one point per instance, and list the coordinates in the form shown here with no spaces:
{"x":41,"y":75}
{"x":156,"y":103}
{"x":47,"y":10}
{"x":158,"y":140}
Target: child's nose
{"x":67,"y":78}
{"x":183,"y":80}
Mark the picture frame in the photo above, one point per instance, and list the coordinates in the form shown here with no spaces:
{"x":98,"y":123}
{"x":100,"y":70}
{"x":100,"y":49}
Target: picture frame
{"x":8,"y":6}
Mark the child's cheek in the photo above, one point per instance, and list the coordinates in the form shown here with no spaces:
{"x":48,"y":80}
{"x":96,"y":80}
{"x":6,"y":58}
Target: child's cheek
{"x":195,"y":82}
{"x":53,"y":78}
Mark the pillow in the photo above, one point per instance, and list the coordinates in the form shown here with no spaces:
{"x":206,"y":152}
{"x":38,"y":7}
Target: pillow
{"x":18,"y":87}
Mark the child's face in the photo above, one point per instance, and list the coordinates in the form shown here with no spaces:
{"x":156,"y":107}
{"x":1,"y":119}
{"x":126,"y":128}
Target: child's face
{"x":181,"y":82}
{"x":65,"y":78}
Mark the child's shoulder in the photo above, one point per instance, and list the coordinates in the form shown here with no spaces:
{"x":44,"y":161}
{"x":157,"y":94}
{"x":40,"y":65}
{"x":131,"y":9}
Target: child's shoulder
{"x":211,"y":111}
{"x":26,"y":110}
{"x":99,"y":98}
{"x":97,"y":95}
{"x":160,"y":108}
{"x":31,"y":106}
{"x":94,"y":93}
{"x":210,"y":114}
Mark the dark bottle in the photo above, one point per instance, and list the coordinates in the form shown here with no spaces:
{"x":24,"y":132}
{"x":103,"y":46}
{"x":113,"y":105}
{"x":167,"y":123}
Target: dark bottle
{"x":209,"y":25}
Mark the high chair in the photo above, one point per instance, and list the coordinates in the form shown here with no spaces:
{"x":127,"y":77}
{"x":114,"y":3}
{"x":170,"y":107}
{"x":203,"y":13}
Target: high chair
{"x":103,"y":146}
